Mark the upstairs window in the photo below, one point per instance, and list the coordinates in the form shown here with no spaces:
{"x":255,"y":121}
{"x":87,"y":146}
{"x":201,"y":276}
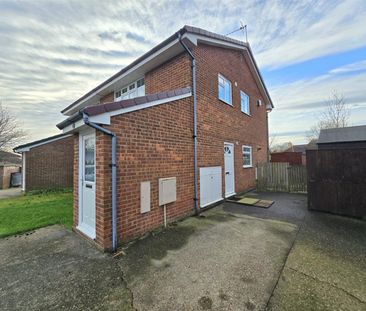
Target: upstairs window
{"x":244,"y":101}
{"x":225,"y":90}
{"x":247,"y":156}
{"x":132,"y":90}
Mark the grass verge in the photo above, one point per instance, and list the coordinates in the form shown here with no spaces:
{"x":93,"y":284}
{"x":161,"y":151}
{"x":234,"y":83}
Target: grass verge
{"x":32,"y":211}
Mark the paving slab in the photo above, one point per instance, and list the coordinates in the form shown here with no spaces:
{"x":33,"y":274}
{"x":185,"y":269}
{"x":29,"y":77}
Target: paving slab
{"x":216,"y":262}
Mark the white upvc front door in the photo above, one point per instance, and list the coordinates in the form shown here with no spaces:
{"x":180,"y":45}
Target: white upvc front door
{"x":229,"y":169}
{"x":87,"y":183}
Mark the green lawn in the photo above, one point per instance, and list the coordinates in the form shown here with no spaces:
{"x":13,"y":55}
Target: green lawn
{"x":29,"y":212}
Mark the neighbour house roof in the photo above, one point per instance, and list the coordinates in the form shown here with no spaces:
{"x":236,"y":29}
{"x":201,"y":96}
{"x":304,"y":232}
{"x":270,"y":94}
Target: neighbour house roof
{"x":343,"y":135}
{"x":122,"y":105}
{"x":297,"y":148}
{"x":9,"y":158}
{"x":36,"y":143}
{"x":199,"y":34}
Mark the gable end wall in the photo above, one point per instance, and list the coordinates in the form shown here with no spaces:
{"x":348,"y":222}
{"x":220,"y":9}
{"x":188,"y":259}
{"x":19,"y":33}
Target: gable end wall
{"x":219,"y":122}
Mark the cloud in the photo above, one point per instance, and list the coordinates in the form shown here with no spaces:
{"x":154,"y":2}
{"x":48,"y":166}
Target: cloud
{"x":299,"y":104}
{"x":309,"y":30}
{"x":53,"y":52}
{"x":359,"y":66}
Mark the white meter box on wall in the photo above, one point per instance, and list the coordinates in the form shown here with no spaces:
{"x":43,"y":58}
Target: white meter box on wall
{"x":167,"y":190}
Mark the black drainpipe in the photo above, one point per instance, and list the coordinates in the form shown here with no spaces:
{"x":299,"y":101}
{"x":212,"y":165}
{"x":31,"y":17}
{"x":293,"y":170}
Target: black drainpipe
{"x":196,"y":207}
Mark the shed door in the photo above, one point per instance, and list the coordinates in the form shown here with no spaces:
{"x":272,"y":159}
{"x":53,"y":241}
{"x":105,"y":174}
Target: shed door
{"x":210,"y":185}
{"x":87,"y":184}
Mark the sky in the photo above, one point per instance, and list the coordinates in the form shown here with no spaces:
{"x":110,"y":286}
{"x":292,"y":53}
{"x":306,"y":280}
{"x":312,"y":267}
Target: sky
{"x":53,"y":52}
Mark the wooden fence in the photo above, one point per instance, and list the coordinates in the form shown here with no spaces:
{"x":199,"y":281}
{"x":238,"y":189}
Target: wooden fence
{"x":281,"y":177}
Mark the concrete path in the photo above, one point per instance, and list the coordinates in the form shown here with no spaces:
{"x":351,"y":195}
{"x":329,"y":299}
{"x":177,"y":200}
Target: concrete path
{"x":217,"y":262}
{"x":54,"y":269}
{"x":326,"y":268}
{"x":10,"y":193}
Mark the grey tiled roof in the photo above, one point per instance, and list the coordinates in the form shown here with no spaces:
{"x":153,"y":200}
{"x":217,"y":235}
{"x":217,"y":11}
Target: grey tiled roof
{"x":185,"y":29}
{"x":345,"y":134}
{"x":112,"y":106}
{"x":10,"y":158}
{"x":108,"y":107}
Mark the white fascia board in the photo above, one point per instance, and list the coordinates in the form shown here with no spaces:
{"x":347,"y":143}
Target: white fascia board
{"x":28,"y":148}
{"x":105,"y":118}
{"x":259,"y":79}
{"x":217,"y":42}
{"x":74,"y":127}
{"x":143,"y":62}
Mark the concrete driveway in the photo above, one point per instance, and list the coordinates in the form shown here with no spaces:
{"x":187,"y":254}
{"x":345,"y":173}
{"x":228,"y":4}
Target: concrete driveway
{"x":220,"y":261}
{"x":326,"y":267}
{"x":232,"y":258}
{"x":10,"y":193}
{"x":54,"y":269}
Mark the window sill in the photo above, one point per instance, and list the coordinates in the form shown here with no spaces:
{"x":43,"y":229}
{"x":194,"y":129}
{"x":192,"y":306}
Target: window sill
{"x":247,"y":114}
{"x":247,"y":166}
{"x":225,"y":102}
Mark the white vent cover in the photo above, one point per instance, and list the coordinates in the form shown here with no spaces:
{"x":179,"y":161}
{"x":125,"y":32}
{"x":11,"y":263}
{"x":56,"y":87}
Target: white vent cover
{"x":145,"y":197}
{"x":167,"y":190}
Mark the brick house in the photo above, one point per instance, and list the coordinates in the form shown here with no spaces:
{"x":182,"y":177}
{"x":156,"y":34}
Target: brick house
{"x":9,"y":163}
{"x":47,"y":163}
{"x":295,"y":155}
{"x":178,"y":130}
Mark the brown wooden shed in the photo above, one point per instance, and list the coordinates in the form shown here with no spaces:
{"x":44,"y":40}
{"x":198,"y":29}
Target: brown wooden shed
{"x":337,"y":172}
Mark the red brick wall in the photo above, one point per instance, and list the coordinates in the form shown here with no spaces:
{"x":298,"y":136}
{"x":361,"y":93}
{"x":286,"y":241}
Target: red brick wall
{"x":157,"y":142}
{"x":219,"y":122}
{"x":173,"y":74}
{"x":151,"y":144}
{"x":76,"y":179}
{"x":107,"y":98}
{"x":50,"y":165}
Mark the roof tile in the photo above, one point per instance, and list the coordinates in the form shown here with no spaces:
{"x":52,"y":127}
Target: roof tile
{"x":112,"y":106}
{"x":127,"y":103}
{"x":94,"y":110}
{"x":152,"y":97}
{"x":140,"y":100}
{"x":162,"y":95}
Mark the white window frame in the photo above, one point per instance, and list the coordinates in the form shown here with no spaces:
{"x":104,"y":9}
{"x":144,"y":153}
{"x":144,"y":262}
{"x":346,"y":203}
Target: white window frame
{"x":131,"y":88}
{"x":242,"y":96}
{"x":220,"y":76}
{"x":250,"y":153}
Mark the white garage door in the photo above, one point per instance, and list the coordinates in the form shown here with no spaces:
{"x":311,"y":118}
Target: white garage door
{"x":210,"y":185}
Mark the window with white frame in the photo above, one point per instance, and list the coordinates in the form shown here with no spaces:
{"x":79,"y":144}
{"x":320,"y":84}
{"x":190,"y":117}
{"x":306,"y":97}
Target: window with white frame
{"x":225,"y":90}
{"x":244,"y":102}
{"x":132,"y":90}
{"x":247,"y":156}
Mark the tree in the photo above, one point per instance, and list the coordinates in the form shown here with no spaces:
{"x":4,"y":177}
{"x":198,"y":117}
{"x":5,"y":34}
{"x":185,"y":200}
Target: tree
{"x":336,"y":115}
{"x":10,"y":133}
{"x":281,"y":147}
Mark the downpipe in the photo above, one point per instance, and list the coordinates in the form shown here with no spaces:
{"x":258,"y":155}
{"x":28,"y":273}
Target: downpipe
{"x":196,"y":207}
{"x":114,"y":176}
